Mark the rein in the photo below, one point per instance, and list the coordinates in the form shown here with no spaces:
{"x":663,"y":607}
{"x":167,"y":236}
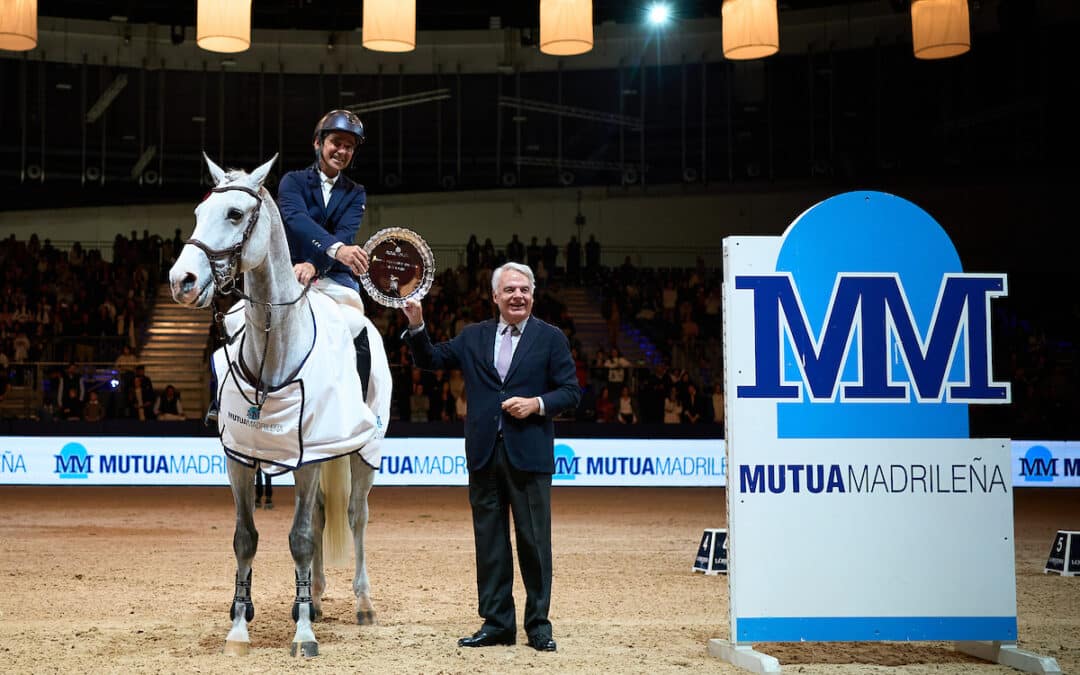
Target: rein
{"x":225,"y":285}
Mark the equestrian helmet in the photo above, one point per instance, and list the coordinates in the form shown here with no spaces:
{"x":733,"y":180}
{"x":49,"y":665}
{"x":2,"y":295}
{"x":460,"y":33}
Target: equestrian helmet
{"x":340,"y":120}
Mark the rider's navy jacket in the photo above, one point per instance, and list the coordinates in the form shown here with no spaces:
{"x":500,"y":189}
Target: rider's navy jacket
{"x":312,"y":228}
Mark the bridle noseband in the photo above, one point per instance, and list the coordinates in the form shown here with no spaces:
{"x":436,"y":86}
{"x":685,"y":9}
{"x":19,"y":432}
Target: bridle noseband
{"x":225,"y":282}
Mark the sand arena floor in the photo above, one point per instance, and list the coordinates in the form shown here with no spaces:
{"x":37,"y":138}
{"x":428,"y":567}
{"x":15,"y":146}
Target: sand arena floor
{"x":140,"y":579}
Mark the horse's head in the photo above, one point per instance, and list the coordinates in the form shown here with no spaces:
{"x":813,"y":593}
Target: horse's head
{"x":231,"y":236}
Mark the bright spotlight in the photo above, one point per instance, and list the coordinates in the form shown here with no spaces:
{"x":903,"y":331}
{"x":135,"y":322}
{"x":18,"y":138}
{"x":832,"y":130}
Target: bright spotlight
{"x":659,"y":13}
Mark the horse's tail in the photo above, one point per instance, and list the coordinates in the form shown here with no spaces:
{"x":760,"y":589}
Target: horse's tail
{"x":335,"y":480}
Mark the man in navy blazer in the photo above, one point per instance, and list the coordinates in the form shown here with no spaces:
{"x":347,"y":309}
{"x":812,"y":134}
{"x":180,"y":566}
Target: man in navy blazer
{"x":519,"y":375}
{"x":322,"y":207}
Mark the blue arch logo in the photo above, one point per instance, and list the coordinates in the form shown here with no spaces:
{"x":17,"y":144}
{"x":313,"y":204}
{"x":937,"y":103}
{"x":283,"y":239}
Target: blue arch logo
{"x":73,"y":462}
{"x":566,"y":463}
{"x":1038,"y":465}
{"x":869,"y":328}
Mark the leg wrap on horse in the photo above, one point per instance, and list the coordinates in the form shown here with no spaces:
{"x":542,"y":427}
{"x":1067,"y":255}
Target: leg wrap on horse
{"x":363,"y":360}
{"x":303,"y":594}
{"x":243,"y":595}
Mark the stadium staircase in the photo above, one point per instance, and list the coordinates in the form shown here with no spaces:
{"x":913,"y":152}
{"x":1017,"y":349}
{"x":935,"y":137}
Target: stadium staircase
{"x":175,"y":351}
{"x":585,"y":306}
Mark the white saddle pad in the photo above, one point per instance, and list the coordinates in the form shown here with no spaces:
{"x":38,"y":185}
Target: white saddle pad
{"x":318,"y":415}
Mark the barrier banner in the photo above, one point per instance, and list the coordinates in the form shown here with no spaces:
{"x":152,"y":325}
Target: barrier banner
{"x":117,"y":460}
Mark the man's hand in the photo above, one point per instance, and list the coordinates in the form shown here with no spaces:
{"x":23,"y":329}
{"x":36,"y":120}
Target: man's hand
{"x":521,"y":407}
{"x":353,"y":257}
{"x":413,"y":312}
{"x":304,"y":272}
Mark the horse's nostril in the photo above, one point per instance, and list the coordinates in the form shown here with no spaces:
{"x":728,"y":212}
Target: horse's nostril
{"x":188,"y":282}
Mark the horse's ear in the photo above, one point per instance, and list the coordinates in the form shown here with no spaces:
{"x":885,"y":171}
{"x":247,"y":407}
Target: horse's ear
{"x":215,"y":171}
{"x":259,"y":175}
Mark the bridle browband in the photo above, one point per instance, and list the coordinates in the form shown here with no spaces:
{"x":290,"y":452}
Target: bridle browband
{"x":225,"y":284}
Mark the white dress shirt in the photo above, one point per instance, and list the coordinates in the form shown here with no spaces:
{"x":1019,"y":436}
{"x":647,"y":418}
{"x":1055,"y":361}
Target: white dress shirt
{"x":327,"y":184}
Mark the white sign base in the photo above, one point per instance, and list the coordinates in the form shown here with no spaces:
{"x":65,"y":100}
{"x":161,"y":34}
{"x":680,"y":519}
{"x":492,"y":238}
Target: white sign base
{"x":1007,"y":654}
{"x":743,"y":656}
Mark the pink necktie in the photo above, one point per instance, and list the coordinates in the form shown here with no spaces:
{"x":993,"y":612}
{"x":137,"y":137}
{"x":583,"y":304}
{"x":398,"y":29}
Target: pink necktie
{"x":506,"y":352}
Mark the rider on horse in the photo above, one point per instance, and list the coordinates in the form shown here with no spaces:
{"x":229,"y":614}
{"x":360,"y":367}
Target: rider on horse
{"x":322,"y":209}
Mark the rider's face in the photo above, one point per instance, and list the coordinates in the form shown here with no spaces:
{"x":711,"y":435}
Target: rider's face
{"x":335,"y":152}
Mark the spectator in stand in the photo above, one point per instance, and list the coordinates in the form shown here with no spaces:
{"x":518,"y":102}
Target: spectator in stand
{"x":672,"y":407}
{"x":718,"y":404}
{"x":472,"y":255}
{"x":93,"y":411}
{"x":592,"y":258}
{"x":168,"y":406}
{"x":580,"y":367}
{"x":126,"y":362}
{"x":549,"y":256}
{"x":695,"y":407}
{"x":605,"y":406}
{"x":515,"y":250}
{"x":442,"y":404}
{"x":573,"y":260}
{"x":71,"y":404}
{"x":141,"y":396}
{"x":627,"y":407}
{"x":616,"y":365}
{"x":419,"y":404}
{"x":71,"y":379}
{"x":534,"y":254}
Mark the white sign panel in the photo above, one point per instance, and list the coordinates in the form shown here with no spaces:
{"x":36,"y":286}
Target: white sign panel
{"x":1046,"y":463}
{"x":112,"y":460}
{"x":858,"y":507}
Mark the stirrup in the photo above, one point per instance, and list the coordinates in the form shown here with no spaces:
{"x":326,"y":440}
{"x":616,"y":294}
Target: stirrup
{"x":211,"y":414}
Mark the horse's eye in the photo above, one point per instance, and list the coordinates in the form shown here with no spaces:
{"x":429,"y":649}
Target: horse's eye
{"x":235,"y":214}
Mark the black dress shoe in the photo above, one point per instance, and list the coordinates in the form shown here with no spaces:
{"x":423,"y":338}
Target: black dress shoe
{"x":542,"y":643}
{"x":487,"y":638}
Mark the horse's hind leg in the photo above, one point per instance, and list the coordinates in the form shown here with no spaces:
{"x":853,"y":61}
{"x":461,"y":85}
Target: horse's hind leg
{"x":362,"y":478}
{"x":318,"y":572}
{"x":302,"y":546}
{"x":245,"y":543}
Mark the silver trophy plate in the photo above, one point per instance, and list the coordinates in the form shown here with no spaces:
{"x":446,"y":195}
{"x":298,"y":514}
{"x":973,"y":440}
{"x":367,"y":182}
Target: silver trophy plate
{"x":401,"y":266}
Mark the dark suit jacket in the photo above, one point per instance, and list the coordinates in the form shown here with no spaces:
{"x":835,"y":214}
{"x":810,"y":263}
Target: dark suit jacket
{"x":542,"y":366}
{"x":311,"y":228}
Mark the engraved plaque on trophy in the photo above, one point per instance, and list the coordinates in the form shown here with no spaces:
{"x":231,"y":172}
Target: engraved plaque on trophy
{"x":400,"y":266}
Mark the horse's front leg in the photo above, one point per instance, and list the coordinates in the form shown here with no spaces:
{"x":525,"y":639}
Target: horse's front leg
{"x":302,"y":546}
{"x":362,"y":478}
{"x":245,"y":543}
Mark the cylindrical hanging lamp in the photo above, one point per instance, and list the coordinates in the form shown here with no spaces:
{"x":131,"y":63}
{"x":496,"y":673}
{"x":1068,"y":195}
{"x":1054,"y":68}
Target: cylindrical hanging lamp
{"x":18,"y":25}
{"x":940,"y":28}
{"x":751,"y":29}
{"x":223,"y":25}
{"x":389,"y":25}
{"x":566,"y":27}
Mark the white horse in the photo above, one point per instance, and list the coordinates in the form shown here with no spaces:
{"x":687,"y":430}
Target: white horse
{"x":238,"y":230}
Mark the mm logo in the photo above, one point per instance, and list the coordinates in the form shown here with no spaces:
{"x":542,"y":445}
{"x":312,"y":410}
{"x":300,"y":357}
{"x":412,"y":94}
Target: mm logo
{"x":73,"y":461}
{"x":1038,"y":465}
{"x":869,"y":316}
{"x":566,"y":463}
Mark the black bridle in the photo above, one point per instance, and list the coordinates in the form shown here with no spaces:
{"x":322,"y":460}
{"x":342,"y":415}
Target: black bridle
{"x":225,"y":284}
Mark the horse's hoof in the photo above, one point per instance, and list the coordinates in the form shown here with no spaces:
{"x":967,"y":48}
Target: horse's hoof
{"x":237,"y":648}
{"x":366,"y":617}
{"x":269,"y":506}
{"x":317,"y":614}
{"x":306,"y":649}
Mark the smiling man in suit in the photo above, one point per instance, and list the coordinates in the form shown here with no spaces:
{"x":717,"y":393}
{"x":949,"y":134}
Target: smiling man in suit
{"x":322,"y":209}
{"x":519,"y":375}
